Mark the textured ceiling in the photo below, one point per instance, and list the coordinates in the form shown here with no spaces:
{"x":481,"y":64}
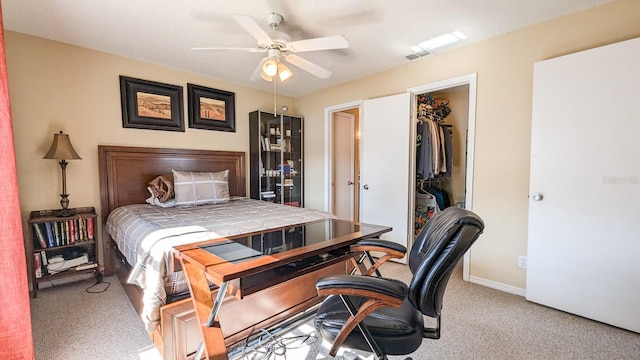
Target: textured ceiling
{"x":379,"y":31}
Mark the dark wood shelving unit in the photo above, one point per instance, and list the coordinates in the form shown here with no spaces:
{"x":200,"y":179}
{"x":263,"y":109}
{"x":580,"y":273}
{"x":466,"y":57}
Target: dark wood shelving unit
{"x":67,"y":240}
{"x":276,"y":158}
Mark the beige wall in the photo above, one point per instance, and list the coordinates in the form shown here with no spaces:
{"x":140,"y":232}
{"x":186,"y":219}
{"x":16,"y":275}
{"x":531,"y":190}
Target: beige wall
{"x":503,"y":119}
{"x":55,"y":86}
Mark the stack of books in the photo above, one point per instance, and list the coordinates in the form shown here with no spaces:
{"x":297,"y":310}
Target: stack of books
{"x":267,"y":195}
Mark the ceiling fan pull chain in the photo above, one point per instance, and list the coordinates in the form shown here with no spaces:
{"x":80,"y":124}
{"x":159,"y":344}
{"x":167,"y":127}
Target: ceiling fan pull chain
{"x":275,"y":105}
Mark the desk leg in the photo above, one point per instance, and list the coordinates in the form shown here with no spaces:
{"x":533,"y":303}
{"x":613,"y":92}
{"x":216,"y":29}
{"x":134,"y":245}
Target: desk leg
{"x":206,"y":312}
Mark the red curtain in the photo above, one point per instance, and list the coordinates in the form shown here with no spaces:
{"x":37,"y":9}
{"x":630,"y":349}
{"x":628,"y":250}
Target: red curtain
{"x":16,"y":341}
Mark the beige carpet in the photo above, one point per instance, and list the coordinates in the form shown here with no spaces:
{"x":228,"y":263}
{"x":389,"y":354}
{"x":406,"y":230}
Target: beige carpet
{"x":70,"y":323}
{"x":477,"y":323}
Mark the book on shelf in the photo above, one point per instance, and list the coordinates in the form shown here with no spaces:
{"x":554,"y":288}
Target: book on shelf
{"x":50,"y":238}
{"x":82,"y":231}
{"x":76,"y":225}
{"x":264,"y":142}
{"x":72,"y":231}
{"x":44,"y":263}
{"x":56,"y":233}
{"x":37,"y":264}
{"x":90,"y":228}
{"x":63,"y":233}
{"x":40,"y":235}
{"x":267,"y":194}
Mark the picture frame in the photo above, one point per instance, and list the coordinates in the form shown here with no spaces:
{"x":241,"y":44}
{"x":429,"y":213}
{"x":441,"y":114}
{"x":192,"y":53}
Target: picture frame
{"x":151,"y":105}
{"x":211,"y":109}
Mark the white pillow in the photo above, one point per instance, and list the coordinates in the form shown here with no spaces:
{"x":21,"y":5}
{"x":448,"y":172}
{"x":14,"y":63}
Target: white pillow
{"x":155,"y":201}
{"x":199,"y":188}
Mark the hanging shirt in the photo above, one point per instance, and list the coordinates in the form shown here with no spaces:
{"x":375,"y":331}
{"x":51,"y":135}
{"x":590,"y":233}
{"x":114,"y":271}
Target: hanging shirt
{"x":443,"y":160}
{"x":448,"y":150}
{"x":435,"y":147}
{"x":424,"y":157}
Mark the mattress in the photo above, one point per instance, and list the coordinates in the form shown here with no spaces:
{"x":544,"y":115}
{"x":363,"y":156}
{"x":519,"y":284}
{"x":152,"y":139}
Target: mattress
{"x":146,"y":234}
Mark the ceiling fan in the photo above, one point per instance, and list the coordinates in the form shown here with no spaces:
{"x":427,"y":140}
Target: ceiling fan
{"x":279,"y":46}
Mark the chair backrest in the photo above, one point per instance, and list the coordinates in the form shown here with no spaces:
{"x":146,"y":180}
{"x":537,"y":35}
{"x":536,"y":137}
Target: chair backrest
{"x":437,"y":249}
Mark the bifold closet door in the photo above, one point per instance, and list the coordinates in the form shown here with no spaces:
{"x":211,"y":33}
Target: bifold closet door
{"x":584,"y":198}
{"x":384,"y":165}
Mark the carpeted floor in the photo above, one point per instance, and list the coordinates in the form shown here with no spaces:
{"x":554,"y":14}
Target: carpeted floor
{"x":477,"y":323}
{"x":71,"y":323}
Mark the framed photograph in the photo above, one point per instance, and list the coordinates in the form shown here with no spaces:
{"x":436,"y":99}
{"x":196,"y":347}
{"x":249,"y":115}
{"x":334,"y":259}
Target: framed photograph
{"x":211,"y":109}
{"x":151,"y":105}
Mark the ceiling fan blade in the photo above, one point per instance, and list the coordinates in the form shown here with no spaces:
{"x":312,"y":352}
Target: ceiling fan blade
{"x":249,"y":50}
{"x":249,"y":24}
{"x":322,"y":43}
{"x":307,"y":65}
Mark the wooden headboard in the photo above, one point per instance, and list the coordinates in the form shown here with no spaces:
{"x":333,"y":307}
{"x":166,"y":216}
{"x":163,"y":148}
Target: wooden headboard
{"x":126,"y":171}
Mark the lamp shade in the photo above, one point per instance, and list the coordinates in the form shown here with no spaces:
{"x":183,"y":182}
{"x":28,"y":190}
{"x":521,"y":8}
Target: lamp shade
{"x":61,"y":148}
{"x":283,"y":72}
{"x":270,"y":67}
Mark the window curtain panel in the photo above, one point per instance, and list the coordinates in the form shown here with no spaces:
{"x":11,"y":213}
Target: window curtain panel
{"x":16,"y":341}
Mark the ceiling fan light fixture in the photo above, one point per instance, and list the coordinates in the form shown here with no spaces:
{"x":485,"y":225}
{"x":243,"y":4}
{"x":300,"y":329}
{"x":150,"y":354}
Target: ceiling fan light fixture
{"x":283,"y":72}
{"x":270,"y":67}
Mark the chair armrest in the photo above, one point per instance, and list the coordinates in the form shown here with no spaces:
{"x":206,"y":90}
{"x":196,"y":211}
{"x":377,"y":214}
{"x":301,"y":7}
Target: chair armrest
{"x":367,"y":286}
{"x":389,"y":250}
{"x":382,"y":244}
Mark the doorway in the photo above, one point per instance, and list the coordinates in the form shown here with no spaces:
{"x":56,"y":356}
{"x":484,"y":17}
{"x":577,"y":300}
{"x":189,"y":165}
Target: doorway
{"x":345,"y":164}
{"x":342,"y":149}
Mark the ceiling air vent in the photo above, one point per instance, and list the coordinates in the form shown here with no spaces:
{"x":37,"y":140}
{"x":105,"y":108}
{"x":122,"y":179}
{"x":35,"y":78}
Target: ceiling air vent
{"x":418,"y":54}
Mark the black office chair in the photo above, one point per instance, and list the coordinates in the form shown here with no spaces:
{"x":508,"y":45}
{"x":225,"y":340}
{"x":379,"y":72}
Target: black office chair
{"x":387,"y":312}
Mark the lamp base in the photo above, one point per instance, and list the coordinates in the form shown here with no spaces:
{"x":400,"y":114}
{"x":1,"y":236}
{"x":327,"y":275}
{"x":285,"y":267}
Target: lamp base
{"x":64,"y":203}
{"x":65,"y":213}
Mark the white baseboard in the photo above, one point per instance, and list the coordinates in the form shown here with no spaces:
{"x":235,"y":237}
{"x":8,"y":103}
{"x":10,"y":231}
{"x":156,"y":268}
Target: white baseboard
{"x":498,"y":286}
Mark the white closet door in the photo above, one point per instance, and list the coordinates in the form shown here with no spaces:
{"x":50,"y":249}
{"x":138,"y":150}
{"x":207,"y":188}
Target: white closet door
{"x":583,"y":241}
{"x":384,"y":165}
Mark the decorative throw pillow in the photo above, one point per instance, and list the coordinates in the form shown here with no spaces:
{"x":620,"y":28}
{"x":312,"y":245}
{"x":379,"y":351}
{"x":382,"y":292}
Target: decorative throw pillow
{"x":199,"y":188}
{"x":162,"y":187}
{"x":153,"y":200}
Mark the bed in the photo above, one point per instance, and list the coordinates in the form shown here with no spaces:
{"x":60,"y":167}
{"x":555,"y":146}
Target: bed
{"x":125,"y":173}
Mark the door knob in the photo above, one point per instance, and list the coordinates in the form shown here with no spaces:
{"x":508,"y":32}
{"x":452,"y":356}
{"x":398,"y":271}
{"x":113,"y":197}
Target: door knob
{"x":366,"y":187}
{"x":537,"y":196}
{"x":349,"y":182}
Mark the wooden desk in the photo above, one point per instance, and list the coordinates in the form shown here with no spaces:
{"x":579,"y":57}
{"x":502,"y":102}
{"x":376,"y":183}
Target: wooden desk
{"x":248,"y":265}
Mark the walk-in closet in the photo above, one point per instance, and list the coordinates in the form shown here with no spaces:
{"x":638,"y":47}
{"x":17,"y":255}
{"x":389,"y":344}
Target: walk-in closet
{"x":441,"y":120}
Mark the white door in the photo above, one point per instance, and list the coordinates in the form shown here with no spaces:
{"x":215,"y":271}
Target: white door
{"x":385,"y":141}
{"x":584,"y":204}
{"x":343,"y":166}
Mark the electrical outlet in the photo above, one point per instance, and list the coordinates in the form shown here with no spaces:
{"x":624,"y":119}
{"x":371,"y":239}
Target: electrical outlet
{"x":522,"y":262}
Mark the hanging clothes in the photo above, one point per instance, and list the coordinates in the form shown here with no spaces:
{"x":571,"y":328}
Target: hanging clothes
{"x":423,"y":150}
{"x":448,"y":150}
{"x":434,"y":159}
{"x":442,"y":197}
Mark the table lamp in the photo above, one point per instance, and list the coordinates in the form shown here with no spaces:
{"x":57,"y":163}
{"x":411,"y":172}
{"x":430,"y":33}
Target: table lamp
{"x":61,"y":149}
